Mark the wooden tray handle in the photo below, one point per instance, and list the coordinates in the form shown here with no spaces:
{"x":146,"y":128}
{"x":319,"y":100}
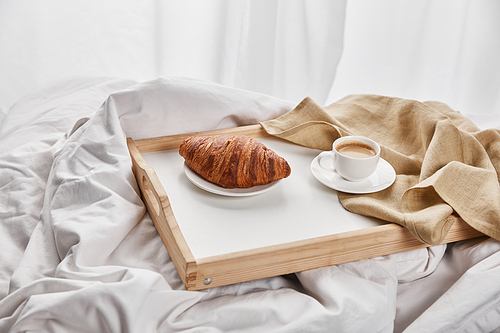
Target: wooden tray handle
{"x":148,"y":181}
{"x":149,"y":192}
{"x":160,"y":210}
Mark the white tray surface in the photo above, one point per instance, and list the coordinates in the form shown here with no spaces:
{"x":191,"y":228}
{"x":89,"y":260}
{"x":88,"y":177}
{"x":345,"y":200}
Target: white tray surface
{"x":299,"y":208}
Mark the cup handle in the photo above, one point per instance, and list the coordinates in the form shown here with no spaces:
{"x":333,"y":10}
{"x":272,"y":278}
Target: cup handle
{"x":327,"y":166}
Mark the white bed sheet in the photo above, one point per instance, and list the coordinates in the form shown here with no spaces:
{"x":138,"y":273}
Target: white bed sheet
{"x":79,"y":253}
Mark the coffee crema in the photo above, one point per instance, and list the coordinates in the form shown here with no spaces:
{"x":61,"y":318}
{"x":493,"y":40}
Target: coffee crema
{"x":355,"y":149}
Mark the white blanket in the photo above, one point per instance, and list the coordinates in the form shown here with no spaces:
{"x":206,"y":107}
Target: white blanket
{"x":79,"y":253}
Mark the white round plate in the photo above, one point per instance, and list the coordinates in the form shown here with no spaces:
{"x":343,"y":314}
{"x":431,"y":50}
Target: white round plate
{"x":232,"y":192}
{"x":381,"y":179}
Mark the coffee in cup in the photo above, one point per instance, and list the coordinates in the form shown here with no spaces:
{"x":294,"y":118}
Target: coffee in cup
{"x":355,"y":149}
{"x":354,"y":158}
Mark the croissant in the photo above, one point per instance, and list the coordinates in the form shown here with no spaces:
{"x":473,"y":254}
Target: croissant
{"x":233,"y":161}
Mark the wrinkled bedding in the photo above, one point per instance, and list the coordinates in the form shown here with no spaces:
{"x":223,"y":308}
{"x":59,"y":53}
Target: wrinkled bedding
{"x":79,"y":252}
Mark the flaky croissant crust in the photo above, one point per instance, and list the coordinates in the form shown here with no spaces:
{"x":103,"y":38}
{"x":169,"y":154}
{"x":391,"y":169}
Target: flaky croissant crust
{"x":233,"y":161}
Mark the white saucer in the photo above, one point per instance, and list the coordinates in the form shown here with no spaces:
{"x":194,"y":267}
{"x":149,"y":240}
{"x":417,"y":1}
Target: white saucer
{"x":232,"y":192}
{"x":381,"y":179}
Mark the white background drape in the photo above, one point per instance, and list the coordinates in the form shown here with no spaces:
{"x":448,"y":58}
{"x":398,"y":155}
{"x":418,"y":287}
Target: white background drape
{"x":440,"y":50}
{"x":281,"y":48}
{"x":447,"y":51}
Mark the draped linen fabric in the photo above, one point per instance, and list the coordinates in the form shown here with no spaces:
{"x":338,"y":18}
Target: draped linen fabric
{"x":444,"y":163}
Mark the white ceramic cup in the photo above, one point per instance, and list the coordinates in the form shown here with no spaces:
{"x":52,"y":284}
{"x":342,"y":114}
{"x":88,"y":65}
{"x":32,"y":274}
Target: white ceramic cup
{"x":352,"y":168}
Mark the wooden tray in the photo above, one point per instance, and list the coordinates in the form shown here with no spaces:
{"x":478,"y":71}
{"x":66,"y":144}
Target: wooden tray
{"x":203,"y":272}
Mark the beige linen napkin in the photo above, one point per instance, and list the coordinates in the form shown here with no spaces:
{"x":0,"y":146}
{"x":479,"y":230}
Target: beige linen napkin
{"x":444,"y":164}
